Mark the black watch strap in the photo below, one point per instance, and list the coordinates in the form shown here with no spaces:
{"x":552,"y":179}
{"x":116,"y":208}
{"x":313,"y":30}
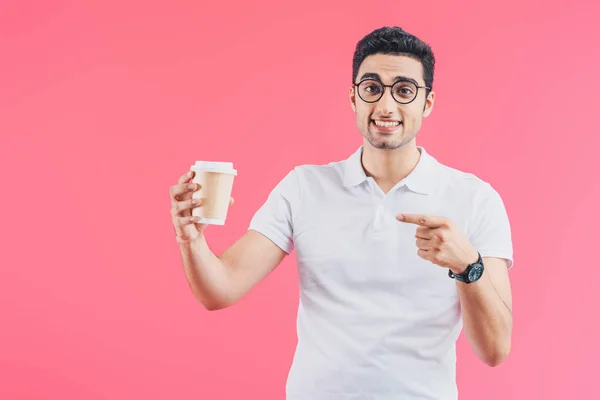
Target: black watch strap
{"x":471,"y":274}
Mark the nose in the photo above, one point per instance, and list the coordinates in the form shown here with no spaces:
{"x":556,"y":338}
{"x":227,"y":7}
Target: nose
{"x":386,"y":104}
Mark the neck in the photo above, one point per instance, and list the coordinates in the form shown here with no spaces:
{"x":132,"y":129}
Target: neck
{"x":388,"y":167}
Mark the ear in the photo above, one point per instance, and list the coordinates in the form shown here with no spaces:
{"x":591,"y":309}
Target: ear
{"x":429,"y":104}
{"x":352,"y":99}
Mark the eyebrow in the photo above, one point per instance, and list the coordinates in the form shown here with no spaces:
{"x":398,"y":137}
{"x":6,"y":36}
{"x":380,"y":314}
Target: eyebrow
{"x":372,"y":75}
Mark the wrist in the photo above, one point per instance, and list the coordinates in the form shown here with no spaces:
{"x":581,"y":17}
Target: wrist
{"x":186,"y":243}
{"x":458,"y":270}
{"x":461,"y":269}
{"x":471,"y":274}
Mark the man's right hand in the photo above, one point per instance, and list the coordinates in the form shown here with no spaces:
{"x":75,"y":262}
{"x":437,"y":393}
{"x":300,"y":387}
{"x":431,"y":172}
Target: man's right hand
{"x":218,"y":281}
{"x":187,"y":228}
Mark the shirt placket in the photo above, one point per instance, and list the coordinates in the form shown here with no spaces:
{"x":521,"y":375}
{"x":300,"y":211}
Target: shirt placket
{"x":380,"y":223}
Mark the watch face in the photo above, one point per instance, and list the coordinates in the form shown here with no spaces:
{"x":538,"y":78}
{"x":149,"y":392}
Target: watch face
{"x":475,"y":272}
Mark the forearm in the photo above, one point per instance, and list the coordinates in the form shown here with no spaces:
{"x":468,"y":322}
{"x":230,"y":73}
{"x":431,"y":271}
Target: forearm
{"x":487,"y":320}
{"x":206,"y":274}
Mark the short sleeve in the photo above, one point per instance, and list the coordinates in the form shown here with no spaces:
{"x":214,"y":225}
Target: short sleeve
{"x":274,"y":218}
{"x":491,"y":232}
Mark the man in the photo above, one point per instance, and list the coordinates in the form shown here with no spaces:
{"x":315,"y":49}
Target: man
{"x":396,"y":252}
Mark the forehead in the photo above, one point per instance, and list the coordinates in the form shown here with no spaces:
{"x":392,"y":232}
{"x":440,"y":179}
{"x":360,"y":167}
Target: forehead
{"x":389,"y":66}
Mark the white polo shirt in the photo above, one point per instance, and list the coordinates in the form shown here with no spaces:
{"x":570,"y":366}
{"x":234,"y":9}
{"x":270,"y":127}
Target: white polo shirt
{"x":375,"y":321}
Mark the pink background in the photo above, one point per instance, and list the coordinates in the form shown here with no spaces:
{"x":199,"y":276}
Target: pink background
{"x":104,"y":105}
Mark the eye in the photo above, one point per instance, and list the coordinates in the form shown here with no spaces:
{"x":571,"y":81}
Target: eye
{"x":404,"y":90}
{"x":370,"y":90}
{"x":373,"y":89}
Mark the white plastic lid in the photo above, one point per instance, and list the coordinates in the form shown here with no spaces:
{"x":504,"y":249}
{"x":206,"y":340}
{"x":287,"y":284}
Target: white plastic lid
{"x":214,"y":166}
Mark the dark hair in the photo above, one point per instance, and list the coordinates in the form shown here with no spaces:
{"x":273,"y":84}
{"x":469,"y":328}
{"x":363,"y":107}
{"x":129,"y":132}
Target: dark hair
{"x":396,"y":41}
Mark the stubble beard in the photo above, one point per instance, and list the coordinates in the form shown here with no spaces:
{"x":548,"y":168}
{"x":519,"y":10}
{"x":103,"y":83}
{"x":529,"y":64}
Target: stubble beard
{"x":388,"y":143}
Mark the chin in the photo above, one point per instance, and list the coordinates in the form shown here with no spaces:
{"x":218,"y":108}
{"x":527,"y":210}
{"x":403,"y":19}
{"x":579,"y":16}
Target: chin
{"x":385,"y":143}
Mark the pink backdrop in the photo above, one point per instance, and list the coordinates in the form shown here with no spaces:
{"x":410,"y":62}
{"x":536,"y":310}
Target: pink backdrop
{"x":104,"y":105}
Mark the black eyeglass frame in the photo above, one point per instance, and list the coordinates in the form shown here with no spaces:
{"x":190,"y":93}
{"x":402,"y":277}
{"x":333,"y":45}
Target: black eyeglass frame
{"x":391,"y":87}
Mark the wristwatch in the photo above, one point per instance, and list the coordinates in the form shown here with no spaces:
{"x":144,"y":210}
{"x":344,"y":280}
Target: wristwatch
{"x":471,"y":274}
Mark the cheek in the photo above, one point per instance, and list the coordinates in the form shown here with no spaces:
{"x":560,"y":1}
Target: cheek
{"x":412,"y":116}
{"x":363,"y":113}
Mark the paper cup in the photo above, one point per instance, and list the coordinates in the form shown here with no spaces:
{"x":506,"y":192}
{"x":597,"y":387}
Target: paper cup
{"x":216,"y":184}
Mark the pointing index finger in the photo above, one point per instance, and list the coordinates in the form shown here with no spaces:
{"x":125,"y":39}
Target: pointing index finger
{"x":423,"y":220}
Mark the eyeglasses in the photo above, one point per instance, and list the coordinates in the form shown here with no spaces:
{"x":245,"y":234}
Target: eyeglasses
{"x":403,"y":91}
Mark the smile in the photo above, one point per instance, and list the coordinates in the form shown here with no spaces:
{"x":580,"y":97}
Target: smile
{"x":386,"y":124}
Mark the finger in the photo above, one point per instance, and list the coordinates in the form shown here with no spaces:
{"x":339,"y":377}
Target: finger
{"x":424,"y":244}
{"x":423,"y":220}
{"x":186,"y":177}
{"x":182,"y":208}
{"x":180,"y":223}
{"x":183,"y":221}
{"x":231,"y":201}
{"x":424,"y":232}
{"x":177,"y":191}
{"x":424,"y":254}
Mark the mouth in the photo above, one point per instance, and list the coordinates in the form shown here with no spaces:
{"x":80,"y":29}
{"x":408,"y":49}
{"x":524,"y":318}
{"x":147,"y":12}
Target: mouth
{"x":387,"y":126}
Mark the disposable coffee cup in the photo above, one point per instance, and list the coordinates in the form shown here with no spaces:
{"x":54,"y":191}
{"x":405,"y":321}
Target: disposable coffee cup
{"x":216,"y":183}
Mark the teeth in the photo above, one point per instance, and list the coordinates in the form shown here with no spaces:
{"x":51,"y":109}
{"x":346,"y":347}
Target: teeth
{"x":386,"y":124}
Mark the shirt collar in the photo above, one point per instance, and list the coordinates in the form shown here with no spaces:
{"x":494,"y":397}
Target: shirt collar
{"x":420,"y":180}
